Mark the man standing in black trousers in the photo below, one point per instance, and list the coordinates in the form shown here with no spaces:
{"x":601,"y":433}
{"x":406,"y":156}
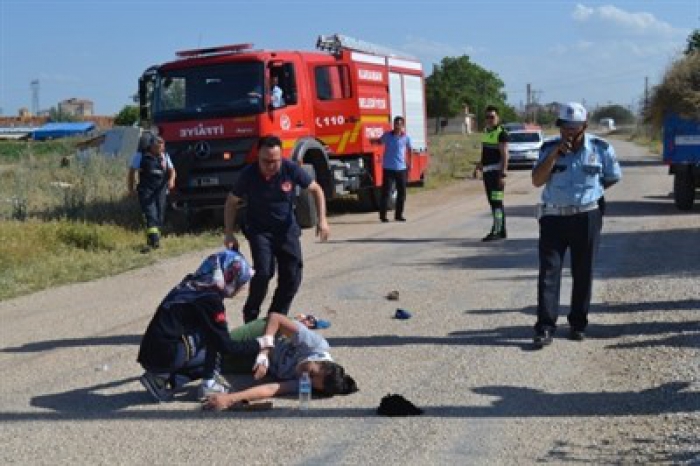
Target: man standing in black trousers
{"x":397,"y":148}
{"x":269,"y":188}
{"x":575,"y":169}
{"x":493,"y":166}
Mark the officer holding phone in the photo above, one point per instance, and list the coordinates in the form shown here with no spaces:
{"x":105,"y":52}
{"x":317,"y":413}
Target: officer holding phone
{"x":575,"y":169}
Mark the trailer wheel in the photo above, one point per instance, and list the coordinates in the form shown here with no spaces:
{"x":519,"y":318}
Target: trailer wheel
{"x":683,"y":188}
{"x":304,"y":206}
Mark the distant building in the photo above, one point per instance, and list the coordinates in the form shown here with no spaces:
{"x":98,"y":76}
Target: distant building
{"x":77,"y":107}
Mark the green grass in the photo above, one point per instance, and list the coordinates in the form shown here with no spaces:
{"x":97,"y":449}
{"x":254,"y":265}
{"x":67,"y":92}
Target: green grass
{"x":65,"y":223}
{"x":35,"y":255}
{"x":453,"y":157}
{"x":13,"y":151}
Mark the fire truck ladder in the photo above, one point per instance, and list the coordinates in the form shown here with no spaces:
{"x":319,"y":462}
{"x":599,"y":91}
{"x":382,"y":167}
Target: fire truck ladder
{"x":336,"y":43}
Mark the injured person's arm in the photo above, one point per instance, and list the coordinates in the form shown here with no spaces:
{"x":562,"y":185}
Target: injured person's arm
{"x":222,"y":401}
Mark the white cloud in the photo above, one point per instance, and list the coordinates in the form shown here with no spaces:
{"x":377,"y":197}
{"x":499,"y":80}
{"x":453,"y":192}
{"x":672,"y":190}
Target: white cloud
{"x":582,"y":13}
{"x":584,"y":45}
{"x":625,"y":21}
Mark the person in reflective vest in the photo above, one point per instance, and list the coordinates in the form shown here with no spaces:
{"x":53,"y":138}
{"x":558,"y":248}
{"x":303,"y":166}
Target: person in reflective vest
{"x":493,"y":166}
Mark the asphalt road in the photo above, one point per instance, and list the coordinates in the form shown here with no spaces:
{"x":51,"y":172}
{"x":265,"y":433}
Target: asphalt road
{"x":629,"y":394}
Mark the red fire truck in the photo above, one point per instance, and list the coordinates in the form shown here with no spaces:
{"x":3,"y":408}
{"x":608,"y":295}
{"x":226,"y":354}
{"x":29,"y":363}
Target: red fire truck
{"x":211,"y":105}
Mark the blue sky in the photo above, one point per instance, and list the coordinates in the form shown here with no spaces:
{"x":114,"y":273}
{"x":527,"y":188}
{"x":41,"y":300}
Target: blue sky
{"x":596,"y":51}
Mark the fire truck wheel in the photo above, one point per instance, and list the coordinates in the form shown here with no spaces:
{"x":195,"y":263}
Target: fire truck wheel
{"x":305,"y":208}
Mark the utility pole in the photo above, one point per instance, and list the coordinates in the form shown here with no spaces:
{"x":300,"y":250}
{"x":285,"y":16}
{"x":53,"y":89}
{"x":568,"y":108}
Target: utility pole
{"x":528,"y":94}
{"x":534,"y":104}
{"x":646,"y":93}
{"x":35,"y":96}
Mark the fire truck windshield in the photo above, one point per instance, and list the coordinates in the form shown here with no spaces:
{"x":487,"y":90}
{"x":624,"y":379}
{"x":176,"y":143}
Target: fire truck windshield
{"x":211,"y":91}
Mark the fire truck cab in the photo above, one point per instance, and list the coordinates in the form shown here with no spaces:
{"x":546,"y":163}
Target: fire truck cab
{"x":328,"y":107}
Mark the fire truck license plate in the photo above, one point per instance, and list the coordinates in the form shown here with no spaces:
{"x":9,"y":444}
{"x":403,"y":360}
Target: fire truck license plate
{"x":206,"y":181}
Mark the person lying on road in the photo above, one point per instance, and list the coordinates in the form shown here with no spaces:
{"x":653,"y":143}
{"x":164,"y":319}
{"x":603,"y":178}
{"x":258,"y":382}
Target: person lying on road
{"x":297,"y":349}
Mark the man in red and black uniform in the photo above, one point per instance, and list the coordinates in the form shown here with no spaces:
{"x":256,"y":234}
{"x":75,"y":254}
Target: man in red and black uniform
{"x":494,"y":165}
{"x":269,"y":187}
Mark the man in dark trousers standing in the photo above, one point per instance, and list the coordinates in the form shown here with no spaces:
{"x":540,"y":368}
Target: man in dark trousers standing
{"x":575,"y":169}
{"x":269,"y":188}
{"x":397,"y":146}
{"x":493,"y":166}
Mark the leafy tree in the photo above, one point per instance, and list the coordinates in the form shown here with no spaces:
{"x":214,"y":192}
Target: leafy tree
{"x":693,"y":44}
{"x":127,"y":116}
{"x":547,"y":115}
{"x":620,"y":114}
{"x":679,"y":92}
{"x":457,"y":82}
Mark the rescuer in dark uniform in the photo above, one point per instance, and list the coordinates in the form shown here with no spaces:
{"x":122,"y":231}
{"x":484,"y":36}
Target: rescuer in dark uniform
{"x":269,"y":188}
{"x":188,"y":333}
{"x":494,"y":165}
{"x":156,"y":175}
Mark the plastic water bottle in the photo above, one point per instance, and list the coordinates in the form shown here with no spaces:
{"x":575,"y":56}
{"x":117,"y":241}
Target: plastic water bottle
{"x":304,"y":391}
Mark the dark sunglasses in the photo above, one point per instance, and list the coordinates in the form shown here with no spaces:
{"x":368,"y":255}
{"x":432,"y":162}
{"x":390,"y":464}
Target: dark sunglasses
{"x":490,"y":117}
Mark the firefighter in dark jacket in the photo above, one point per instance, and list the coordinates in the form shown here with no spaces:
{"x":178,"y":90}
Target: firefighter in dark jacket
{"x":270,"y":226}
{"x":156,"y":176}
{"x":188,"y":332}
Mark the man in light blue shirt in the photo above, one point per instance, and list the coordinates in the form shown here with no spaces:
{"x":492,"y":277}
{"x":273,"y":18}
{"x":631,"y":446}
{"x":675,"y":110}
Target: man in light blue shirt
{"x":575,"y":169}
{"x":397,"y":147}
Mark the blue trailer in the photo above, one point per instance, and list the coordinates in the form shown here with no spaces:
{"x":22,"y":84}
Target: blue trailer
{"x":681,"y":151}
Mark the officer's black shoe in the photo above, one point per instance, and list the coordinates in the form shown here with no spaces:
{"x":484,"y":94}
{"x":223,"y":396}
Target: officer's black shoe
{"x":493,"y":237}
{"x":400,"y":219}
{"x":542,"y":338}
{"x":576,"y":335}
{"x":384,"y":219}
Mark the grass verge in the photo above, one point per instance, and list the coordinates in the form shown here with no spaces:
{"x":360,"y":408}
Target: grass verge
{"x":63,"y":223}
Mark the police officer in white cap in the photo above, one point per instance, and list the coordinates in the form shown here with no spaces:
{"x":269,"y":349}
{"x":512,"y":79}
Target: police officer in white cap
{"x":575,"y":169}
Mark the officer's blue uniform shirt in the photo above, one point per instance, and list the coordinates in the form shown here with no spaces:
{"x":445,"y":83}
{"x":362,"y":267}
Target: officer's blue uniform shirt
{"x":578,"y":178}
{"x":270,"y":203}
{"x":395,"y":150}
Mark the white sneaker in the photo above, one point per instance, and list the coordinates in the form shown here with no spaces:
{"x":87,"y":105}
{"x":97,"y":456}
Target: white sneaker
{"x":204,"y":390}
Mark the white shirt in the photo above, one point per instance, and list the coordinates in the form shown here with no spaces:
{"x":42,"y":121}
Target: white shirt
{"x":277,"y":99}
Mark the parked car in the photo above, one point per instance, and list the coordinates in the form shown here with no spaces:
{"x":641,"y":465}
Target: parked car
{"x":513,"y":126}
{"x":524,"y":147}
{"x":607,"y":124}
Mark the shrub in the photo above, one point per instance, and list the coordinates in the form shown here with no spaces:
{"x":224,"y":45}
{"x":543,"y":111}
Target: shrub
{"x":86,"y":236}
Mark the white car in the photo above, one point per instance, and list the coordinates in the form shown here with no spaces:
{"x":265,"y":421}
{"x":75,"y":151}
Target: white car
{"x":524,"y":147}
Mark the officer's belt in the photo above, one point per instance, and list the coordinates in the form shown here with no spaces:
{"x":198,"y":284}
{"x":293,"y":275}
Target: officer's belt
{"x":561,"y":210}
{"x":492,"y":168}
